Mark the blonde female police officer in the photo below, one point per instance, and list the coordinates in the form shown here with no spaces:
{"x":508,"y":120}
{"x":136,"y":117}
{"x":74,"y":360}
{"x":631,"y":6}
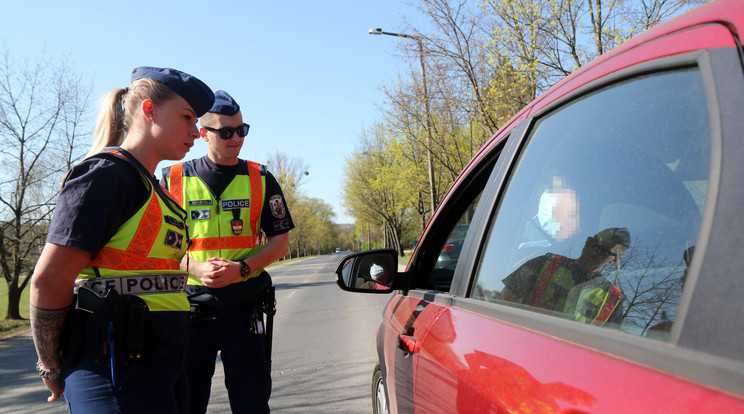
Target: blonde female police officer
{"x":117,"y":238}
{"x":231,"y":204}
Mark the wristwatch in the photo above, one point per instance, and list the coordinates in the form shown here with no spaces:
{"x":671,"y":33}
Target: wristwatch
{"x":245,"y":270}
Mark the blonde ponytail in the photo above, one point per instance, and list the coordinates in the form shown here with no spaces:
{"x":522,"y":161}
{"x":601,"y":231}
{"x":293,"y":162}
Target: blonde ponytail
{"x":110,"y":122}
{"x":117,"y":109}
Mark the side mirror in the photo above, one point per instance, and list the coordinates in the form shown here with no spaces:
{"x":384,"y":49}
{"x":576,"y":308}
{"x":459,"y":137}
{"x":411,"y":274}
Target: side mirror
{"x":369,"y":271}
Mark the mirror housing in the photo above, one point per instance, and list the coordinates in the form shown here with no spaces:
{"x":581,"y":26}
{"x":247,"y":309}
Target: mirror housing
{"x":372,"y":271}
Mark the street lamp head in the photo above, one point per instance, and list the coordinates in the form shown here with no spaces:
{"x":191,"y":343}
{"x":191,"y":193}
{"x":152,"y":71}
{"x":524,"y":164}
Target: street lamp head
{"x":375,"y":31}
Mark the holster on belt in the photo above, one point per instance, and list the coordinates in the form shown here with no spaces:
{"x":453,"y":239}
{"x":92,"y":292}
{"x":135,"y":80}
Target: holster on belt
{"x":116,"y":327}
{"x":71,"y":343}
{"x":269,"y":308}
{"x":213,"y":302}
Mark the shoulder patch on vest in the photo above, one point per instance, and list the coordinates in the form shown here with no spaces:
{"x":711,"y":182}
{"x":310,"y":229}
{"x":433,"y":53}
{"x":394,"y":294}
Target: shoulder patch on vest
{"x":277,"y":206}
{"x":173,"y":239}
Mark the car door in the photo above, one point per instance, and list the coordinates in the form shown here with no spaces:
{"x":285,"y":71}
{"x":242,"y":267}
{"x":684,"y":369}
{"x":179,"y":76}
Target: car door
{"x":408,"y":318}
{"x":635,"y":151}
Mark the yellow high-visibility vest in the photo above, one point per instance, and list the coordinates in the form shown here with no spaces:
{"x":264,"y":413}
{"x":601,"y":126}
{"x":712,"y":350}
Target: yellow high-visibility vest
{"x":152,"y":241}
{"x":228,"y":227}
{"x":594,"y":303}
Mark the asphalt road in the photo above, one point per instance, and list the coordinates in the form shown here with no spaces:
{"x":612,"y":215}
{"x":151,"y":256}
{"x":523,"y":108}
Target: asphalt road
{"x":324,"y":349}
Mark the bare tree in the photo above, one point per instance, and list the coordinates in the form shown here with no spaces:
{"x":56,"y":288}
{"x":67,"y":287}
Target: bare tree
{"x":43,"y":114}
{"x":651,"y":283}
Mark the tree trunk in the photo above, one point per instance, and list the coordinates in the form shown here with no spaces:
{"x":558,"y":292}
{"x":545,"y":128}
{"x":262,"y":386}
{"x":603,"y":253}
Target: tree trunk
{"x":14,"y":300}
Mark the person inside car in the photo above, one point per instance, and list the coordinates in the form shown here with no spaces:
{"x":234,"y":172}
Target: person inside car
{"x":573,"y":287}
{"x":380,"y":278}
{"x":558,"y":211}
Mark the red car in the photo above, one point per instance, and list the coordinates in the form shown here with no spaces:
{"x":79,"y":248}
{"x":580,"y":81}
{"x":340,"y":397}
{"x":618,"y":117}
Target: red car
{"x":598,"y":273}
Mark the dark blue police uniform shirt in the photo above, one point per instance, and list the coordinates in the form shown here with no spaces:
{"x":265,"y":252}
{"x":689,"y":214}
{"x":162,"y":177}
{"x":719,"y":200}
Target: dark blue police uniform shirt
{"x":274,"y":220}
{"x":98,"y":196}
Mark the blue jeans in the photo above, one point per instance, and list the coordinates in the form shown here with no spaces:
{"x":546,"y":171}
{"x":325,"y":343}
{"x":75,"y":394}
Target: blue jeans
{"x":155,"y":385}
{"x":247,"y":374}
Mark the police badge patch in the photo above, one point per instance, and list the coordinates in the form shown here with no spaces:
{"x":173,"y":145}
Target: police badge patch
{"x":173,"y":239}
{"x":200,"y":214}
{"x":276,"y":202}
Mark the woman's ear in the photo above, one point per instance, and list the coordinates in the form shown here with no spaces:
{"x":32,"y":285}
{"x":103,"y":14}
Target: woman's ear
{"x":148,"y":108}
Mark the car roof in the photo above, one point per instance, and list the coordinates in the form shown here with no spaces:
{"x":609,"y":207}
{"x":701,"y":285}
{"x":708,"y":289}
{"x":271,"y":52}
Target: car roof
{"x":729,"y":13}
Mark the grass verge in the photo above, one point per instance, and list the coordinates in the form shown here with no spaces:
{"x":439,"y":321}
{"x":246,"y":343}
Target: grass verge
{"x":13,"y":327}
{"x":403,"y":260}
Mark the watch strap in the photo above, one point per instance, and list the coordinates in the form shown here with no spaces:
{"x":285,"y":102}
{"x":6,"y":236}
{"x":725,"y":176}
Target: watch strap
{"x":245,"y":269}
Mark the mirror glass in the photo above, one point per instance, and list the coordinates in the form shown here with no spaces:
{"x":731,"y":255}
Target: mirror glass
{"x":372,"y":271}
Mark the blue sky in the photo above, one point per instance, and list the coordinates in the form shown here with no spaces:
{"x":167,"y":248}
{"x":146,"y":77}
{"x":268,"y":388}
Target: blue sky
{"x":305,"y":73}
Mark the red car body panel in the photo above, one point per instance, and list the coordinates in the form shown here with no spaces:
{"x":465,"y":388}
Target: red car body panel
{"x":469,"y":363}
{"x":460,"y":361}
{"x":411,"y":318}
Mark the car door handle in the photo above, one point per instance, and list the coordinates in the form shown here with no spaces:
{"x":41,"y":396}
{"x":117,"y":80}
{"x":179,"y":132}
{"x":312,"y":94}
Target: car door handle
{"x":408,"y":343}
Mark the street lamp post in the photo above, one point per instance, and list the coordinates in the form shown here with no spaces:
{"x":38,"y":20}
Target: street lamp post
{"x":429,"y":139}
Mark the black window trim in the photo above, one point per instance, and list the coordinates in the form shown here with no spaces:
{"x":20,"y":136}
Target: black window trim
{"x":476,"y":232}
{"x":712,"y":321}
{"x":425,"y":255}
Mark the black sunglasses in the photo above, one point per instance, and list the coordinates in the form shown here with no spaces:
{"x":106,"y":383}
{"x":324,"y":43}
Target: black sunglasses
{"x":227,"y":132}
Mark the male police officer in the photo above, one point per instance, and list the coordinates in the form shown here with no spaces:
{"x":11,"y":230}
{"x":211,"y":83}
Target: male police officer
{"x":573,"y":287}
{"x":230,"y":202}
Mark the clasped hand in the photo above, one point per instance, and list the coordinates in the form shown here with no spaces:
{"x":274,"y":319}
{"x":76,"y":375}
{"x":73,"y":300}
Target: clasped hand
{"x":217,"y":272}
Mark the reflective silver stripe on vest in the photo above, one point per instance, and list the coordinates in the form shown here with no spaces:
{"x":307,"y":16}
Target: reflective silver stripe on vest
{"x":136,"y":284}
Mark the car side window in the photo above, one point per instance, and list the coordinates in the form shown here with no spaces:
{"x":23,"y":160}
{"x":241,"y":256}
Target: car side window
{"x":602,"y":210}
{"x":443,"y":245}
{"x":444,"y":268}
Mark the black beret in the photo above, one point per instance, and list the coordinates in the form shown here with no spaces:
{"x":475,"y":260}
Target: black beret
{"x":613,"y":236}
{"x":224,"y":104}
{"x":194,"y":91}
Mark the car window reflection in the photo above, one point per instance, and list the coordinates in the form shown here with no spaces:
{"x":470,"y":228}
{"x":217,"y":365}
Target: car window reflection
{"x":573,"y":287}
{"x":629,"y":160}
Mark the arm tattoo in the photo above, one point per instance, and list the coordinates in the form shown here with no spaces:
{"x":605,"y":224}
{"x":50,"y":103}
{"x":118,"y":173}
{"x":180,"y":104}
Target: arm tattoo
{"x":46,"y":326}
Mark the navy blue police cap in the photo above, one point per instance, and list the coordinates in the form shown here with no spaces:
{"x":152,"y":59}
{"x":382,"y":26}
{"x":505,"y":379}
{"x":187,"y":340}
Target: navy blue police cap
{"x":194,"y":91}
{"x":224,"y":104}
